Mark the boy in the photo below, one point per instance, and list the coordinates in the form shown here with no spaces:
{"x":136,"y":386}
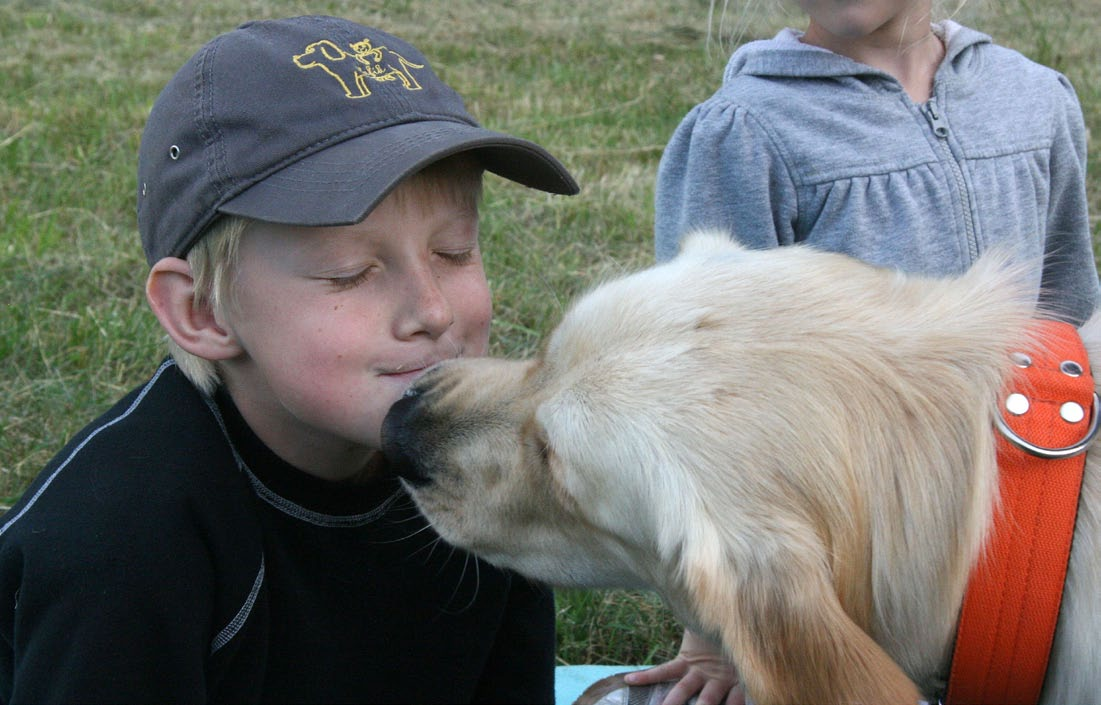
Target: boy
{"x":307,"y":202}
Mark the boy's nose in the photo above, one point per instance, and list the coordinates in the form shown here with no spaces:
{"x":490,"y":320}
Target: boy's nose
{"x":426,"y":309}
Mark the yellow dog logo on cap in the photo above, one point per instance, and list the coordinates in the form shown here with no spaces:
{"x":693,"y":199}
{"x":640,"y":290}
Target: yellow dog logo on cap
{"x":367,"y":63}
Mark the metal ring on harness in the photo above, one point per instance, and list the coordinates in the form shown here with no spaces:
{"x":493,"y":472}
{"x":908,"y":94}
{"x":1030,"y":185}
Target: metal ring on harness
{"x":1052,"y":453}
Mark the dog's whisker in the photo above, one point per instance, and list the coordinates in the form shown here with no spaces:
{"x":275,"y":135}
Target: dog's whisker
{"x":430,"y":547}
{"x":406,"y":520}
{"x":408,"y":536}
{"x":467,"y":559}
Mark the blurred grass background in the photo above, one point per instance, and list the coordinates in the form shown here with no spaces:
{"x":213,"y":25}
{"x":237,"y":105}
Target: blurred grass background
{"x":601,"y":84}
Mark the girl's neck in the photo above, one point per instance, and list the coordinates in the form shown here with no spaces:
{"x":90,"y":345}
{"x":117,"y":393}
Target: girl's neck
{"x":912,"y":56}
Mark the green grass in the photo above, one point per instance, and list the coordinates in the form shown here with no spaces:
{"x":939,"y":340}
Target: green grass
{"x":601,"y":84}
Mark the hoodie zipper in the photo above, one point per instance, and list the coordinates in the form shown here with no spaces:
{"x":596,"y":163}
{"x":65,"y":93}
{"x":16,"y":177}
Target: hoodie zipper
{"x":940,"y":130}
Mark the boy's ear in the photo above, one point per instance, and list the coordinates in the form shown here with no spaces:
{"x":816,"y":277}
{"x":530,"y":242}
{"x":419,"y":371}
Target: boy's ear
{"x":170,"y":290}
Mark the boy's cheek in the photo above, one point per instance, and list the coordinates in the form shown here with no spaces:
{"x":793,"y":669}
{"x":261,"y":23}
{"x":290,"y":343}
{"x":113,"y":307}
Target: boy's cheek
{"x":479,"y":347}
{"x":480,"y":315}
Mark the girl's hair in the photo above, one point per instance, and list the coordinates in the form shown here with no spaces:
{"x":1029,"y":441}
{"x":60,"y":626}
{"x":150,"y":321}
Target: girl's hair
{"x":214,"y":259}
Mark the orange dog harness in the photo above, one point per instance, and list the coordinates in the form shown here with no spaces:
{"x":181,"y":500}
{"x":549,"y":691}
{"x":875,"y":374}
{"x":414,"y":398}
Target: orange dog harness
{"x":1007,"y":622}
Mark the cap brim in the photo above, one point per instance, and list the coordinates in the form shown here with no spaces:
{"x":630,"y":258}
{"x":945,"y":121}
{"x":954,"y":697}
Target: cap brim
{"x":341,"y":184}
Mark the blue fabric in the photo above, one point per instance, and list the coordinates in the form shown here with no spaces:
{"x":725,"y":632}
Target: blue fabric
{"x":571,"y":681}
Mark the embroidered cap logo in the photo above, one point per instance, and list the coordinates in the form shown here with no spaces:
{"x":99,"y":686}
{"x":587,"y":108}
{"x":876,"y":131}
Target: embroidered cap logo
{"x":354,"y":70}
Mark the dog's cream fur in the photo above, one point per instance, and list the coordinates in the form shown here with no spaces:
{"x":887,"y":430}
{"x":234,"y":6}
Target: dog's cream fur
{"x":794,"y":448}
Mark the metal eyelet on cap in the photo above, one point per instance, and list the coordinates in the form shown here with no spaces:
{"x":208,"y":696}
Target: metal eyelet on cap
{"x":174,"y":152}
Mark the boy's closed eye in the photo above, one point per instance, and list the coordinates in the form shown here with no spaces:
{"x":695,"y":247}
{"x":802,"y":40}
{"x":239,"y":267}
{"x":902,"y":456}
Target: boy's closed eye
{"x":344,"y":282}
{"x":458,"y":256}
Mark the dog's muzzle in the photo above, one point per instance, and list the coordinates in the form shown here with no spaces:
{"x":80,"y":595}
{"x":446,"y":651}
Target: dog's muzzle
{"x":400,"y":441}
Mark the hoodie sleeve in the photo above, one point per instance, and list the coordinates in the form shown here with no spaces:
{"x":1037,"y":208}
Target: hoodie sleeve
{"x":722,"y":169}
{"x":1069,"y":285}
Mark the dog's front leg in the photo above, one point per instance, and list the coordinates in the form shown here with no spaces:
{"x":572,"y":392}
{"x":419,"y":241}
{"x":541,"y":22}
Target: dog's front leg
{"x":785,"y":630}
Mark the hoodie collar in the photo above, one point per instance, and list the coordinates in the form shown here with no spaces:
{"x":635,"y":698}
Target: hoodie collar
{"x":785,"y":55}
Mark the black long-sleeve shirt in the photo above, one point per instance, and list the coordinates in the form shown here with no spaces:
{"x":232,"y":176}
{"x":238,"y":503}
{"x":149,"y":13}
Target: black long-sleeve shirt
{"x":166,"y":554}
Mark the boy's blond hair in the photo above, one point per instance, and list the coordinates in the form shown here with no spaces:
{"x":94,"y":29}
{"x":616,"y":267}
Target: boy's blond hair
{"x":214,"y":259}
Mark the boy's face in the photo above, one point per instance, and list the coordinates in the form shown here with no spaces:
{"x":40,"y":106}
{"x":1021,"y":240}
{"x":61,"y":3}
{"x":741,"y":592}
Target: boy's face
{"x":335,"y":322}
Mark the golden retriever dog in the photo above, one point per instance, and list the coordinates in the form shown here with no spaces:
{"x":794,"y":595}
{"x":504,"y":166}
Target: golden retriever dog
{"x":795,"y":449}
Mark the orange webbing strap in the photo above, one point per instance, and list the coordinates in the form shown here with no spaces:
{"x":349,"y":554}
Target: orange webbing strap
{"x":1012,"y":601}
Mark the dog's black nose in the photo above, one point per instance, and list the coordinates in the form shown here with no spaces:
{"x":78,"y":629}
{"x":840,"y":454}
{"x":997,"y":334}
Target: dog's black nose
{"x":399,"y":444}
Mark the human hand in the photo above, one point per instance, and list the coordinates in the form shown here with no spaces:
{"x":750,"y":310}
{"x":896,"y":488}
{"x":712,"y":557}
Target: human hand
{"x":700,"y":669}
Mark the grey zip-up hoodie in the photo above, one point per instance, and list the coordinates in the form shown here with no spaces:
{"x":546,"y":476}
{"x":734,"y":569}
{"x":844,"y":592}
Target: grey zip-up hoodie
{"x":803,"y":145}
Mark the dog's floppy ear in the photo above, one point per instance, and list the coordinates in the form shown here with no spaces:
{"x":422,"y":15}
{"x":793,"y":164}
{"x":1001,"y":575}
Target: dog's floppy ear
{"x":783,"y":625}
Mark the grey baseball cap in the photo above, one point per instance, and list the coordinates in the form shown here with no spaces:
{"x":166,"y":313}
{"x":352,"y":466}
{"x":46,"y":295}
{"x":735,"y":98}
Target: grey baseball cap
{"x":306,"y":121}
